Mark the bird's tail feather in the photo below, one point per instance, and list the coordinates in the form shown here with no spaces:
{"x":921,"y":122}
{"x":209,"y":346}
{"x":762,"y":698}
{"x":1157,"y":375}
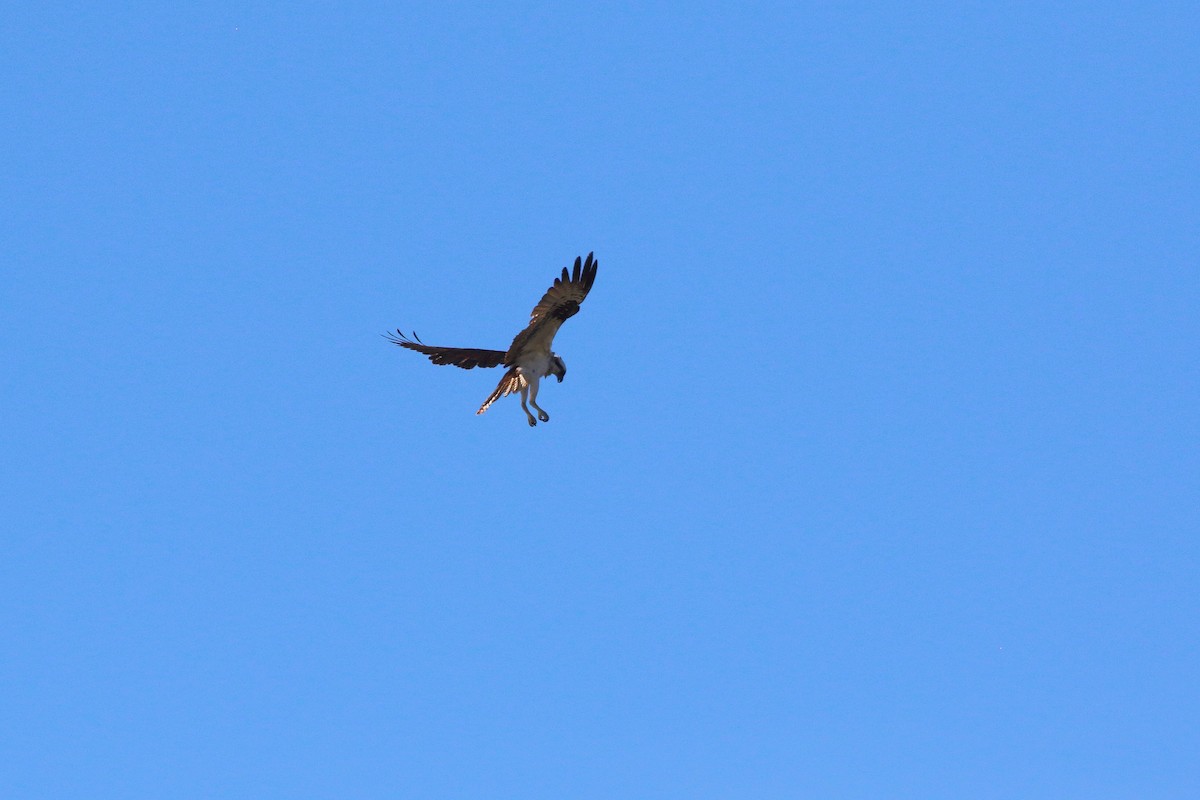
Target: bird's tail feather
{"x":512,"y":382}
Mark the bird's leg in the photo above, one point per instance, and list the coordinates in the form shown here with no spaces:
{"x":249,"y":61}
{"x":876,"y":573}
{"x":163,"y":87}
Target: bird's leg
{"x":525,"y":408}
{"x":533,"y":390}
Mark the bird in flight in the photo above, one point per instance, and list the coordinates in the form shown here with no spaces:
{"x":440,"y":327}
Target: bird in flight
{"x":529,"y":357}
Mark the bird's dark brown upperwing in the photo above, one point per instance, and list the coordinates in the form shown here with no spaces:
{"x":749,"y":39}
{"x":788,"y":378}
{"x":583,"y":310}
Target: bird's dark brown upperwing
{"x":562,"y":299}
{"x":559,"y":303}
{"x":465,"y":357}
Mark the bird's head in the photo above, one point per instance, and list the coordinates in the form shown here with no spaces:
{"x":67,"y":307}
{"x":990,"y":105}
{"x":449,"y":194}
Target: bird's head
{"x":558,"y":367}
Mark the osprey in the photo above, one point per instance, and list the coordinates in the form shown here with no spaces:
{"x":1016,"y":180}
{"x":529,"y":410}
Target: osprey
{"x":529,"y":357}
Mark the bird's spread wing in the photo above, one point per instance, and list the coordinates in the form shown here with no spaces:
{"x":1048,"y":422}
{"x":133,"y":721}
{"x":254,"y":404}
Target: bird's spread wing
{"x":563,"y":298}
{"x":560,"y":302}
{"x":465,"y":357}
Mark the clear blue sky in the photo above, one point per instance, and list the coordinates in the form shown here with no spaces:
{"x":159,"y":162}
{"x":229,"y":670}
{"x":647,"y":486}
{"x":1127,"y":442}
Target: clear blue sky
{"x":875,"y":473}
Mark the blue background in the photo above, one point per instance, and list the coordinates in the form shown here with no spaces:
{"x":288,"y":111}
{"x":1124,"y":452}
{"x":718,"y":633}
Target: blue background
{"x":874,"y":474}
